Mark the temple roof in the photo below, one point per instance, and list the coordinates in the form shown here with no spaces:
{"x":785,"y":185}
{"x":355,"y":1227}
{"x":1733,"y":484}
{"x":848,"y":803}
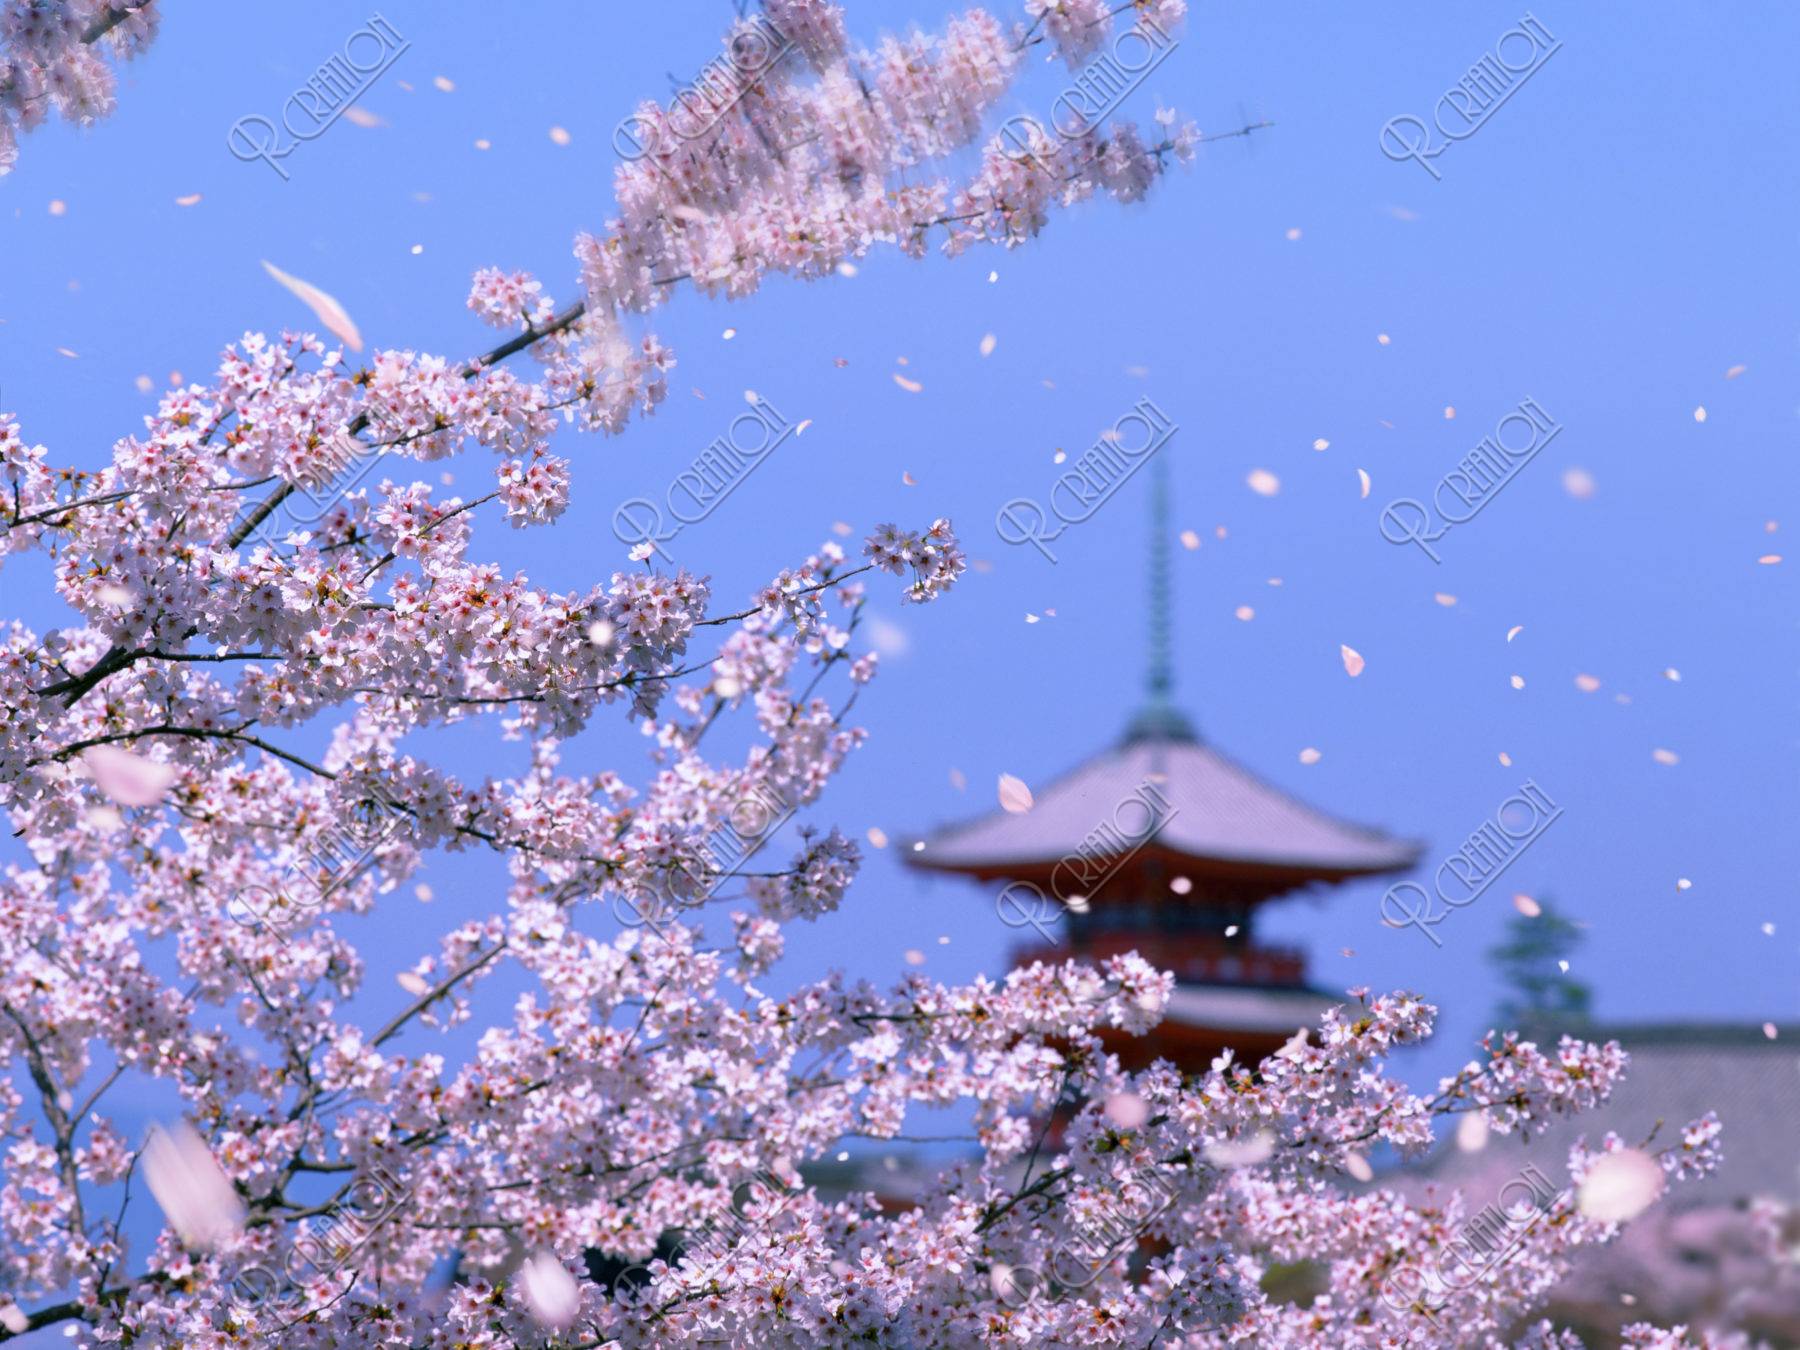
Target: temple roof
{"x":1217,"y":811}
{"x":1678,"y":1072}
{"x":1165,"y":791}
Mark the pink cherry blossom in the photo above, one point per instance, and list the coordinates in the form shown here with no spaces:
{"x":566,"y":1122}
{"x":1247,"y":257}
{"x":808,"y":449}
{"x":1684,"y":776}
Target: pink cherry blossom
{"x":621,"y":1159}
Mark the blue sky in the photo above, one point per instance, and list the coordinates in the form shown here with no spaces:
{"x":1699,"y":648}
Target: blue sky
{"x":1609,"y":244}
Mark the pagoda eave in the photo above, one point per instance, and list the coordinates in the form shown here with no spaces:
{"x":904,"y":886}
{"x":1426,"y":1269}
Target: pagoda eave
{"x":1052,"y":874}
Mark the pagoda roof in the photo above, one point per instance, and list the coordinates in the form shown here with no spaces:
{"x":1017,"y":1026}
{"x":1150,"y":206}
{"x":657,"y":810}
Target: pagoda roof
{"x":1216,"y":811}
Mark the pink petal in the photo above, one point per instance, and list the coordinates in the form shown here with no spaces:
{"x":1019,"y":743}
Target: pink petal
{"x":130,"y":780}
{"x":330,"y":313}
{"x":1620,"y":1186}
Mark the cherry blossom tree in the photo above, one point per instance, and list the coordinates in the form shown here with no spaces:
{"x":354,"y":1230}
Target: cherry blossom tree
{"x":334,"y":1181}
{"x":49,"y":60}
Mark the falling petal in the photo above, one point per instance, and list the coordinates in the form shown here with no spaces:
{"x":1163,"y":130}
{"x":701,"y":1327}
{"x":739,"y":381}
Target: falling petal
{"x":1245,"y":613}
{"x":1181,"y":885}
{"x":1127,"y":1110}
{"x":414,"y":983}
{"x":1293,"y":233}
{"x":1578,"y":483}
{"x":328,"y":310}
{"x":1014,"y":795}
{"x":1518,"y":681}
{"x":1506,"y":759}
{"x":559,"y":136}
{"x":729,"y":334}
{"x":1514,"y":631}
{"x":842,"y":529}
{"x":914,"y":957}
{"x":1321,"y":444}
{"x":1383,"y":339}
{"x":483,"y":143}
{"x":1031,"y":618}
{"x":1189,"y":540}
{"x":424,"y":892}
{"x":911,"y":386}
{"x":1353,"y":662}
{"x":1586,"y":683}
{"x":362,"y":117}
{"x":195,"y":1196}
{"x":192,"y":199}
{"x":1358,"y":1166}
{"x":1700,"y":413}
{"x":877,"y":836}
{"x":130,"y":780}
{"x":1769,"y":559}
{"x":1672,"y":674}
{"x":1449,"y":413}
{"x":1472,"y":1132}
{"x":1310,"y":756}
{"x":1682,"y":884}
{"x":1263,"y":483}
{"x":1362,"y":476}
{"x":144,"y":384}
{"x":1620,"y":1186}
{"x":1735,"y":371}
{"x":1662,"y":756}
{"x":1445,"y":600}
{"x":442,"y":83}
{"x":846,"y":269}
{"x":1527,"y":906}
{"x":908,"y":479}
{"x":800,"y":430}
{"x":58,"y":206}
{"x":550,"y":1291}
{"x":1241,"y":1152}
{"x":987,"y":344}
{"x":1770,"y":1030}
{"x":957,"y":780}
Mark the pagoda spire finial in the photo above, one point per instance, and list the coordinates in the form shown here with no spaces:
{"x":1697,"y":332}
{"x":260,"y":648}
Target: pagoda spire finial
{"x":1159,"y":719}
{"x":1159,"y":672}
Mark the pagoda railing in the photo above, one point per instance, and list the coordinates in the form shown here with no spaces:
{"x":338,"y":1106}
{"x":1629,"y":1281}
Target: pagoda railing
{"x":1194,"y":959}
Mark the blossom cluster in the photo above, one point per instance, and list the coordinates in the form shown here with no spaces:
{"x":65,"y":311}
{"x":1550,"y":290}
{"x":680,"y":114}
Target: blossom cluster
{"x":48,"y":60}
{"x":151,"y":762}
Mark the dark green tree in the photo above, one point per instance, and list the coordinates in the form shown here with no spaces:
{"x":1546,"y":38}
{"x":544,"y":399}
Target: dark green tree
{"x":1539,"y":991}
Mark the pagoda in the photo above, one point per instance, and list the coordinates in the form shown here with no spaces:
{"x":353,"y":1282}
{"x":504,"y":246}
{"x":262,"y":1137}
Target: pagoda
{"x":1164,"y":846}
